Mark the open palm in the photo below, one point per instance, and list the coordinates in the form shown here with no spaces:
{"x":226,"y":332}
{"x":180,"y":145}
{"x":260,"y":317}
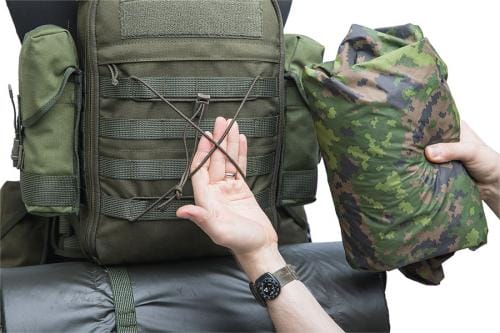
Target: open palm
{"x":226,"y":208}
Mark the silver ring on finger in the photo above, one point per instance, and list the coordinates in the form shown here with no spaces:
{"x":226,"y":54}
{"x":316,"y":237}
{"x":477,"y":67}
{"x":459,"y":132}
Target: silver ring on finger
{"x":230,"y":174}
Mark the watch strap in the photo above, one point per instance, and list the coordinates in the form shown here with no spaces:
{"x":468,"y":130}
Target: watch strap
{"x":286,"y":275}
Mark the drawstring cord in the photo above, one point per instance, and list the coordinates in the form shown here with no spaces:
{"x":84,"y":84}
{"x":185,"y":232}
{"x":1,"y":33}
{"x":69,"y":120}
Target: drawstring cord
{"x":17,"y":153}
{"x":176,"y":191}
{"x":202,"y":102}
{"x":113,"y":69}
{"x":16,"y":119}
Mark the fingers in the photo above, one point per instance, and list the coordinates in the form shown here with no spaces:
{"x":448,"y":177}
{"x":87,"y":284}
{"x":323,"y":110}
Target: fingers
{"x":197,"y":214}
{"x":200,"y":178}
{"x":217,"y":167}
{"x":204,"y":147}
{"x":242,"y":155}
{"x":233,"y":147}
{"x":454,"y":151}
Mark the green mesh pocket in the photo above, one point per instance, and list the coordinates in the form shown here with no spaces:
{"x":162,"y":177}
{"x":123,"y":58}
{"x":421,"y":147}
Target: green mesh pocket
{"x":49,"y":84}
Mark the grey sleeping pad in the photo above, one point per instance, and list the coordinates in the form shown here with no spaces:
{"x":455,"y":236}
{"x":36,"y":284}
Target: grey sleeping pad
{"x":198,"y":295}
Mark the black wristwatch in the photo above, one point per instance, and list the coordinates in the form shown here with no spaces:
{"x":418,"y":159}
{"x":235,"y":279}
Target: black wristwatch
{"x":268,"y":286}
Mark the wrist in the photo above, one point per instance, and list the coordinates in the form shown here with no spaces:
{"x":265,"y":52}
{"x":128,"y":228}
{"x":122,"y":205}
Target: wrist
{"x":260,"y":261}
{"x":490,"y":193}
{"x":491,"y":196}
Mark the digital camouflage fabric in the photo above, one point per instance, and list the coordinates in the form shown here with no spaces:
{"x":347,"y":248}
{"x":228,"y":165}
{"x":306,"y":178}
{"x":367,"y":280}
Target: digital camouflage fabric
{"x":376,"y":107}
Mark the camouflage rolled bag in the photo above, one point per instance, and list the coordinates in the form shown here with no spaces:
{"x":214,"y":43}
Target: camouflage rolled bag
{"x":376,"y":107}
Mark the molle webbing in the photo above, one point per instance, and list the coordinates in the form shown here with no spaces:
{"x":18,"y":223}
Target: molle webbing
{"x":169,"y":168}
{"x":48,"y":191}
{"x":181,"y":18}
{"x":188,"y":87}
{"x":298,"y":185}
{"x":129,"y":209}
{"x":159,"y":129}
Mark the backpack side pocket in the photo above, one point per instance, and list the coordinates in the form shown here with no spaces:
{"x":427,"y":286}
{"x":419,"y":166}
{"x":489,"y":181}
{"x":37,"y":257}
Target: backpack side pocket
{"x":50,"y":103}
{"x":299,"y":172}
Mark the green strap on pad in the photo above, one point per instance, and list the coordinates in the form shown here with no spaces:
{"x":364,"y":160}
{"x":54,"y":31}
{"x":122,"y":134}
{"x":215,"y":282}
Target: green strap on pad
{"x":126,"y":321}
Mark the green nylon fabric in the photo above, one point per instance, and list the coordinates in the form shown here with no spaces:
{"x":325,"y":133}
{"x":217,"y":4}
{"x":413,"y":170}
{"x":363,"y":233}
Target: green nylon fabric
{"x":48,"y":113}
{"x":158,"y":129}
{"x":202,"y":18}
{"x":46,"y":192}
{"x":65,"y":242}
{"x":376,"y":108}
{"x":105,"y":231}
{"x":24,"y":237}
{"x":301,"y":150}
{"x":169,"y":169}
{"x":129,"y":209}
{"x":188,"y":87}
{"x":123,"y":297}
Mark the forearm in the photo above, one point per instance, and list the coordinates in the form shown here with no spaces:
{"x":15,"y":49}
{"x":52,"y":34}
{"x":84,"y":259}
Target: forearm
{"x":295,"y":309}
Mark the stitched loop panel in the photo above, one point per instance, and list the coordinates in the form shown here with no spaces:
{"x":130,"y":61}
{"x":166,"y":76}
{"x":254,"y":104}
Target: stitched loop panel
{"x":188,"y":87}
{"x":160,"y":129}
{"x":168,"y":169}
{"x":129,"y":209}
{"x":48,"y":191}
{"x":184,"y":18}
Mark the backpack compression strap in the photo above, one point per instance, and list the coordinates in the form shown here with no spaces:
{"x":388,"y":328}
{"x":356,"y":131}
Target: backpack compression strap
{"x":125,"y":317}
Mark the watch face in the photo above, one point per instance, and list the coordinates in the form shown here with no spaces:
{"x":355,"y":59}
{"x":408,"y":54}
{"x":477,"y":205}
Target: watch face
{"x":268,"y":287}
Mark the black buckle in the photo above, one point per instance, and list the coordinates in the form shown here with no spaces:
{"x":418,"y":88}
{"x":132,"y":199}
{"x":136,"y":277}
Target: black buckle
{"x":17,"y":153}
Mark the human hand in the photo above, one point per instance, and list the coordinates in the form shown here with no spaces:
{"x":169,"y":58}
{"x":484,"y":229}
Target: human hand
{"x":226,"y":209}
{"x":482,"y":163}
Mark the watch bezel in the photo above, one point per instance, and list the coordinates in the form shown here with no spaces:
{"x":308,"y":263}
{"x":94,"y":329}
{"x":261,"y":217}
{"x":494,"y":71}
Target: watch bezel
{"x":266,"y":278}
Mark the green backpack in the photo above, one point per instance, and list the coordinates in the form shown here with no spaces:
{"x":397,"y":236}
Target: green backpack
{"x":101,"y":147}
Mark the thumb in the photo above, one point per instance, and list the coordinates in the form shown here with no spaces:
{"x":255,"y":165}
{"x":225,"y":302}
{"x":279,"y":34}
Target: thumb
{"x":453,"y":151}
{"x":197,"y":214}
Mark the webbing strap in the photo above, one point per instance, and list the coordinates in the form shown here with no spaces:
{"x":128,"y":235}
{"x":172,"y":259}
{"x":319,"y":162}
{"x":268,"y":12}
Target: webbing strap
{"x":69,"y":239}
{"x":126,"y":321}
{"x":159,"y":129}
{"x":48,"y":191}
{"x":129,"y":209}
{"x":169,"y":169}
{"x":188,"y":87}
{"x":298,"y":187}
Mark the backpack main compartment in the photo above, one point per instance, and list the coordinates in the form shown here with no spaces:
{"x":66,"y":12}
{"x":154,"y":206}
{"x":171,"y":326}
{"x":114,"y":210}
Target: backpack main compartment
{"x":132,"y":140}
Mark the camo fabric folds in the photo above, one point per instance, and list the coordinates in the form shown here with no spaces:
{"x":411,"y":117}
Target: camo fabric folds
{"x":376,"y":107}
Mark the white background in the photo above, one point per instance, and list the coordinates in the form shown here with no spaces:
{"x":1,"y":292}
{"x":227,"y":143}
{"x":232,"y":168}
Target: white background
{"x":465,"y":33}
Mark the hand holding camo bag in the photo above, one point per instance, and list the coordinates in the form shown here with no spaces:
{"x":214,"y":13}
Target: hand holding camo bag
{"x":376,"y":108}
